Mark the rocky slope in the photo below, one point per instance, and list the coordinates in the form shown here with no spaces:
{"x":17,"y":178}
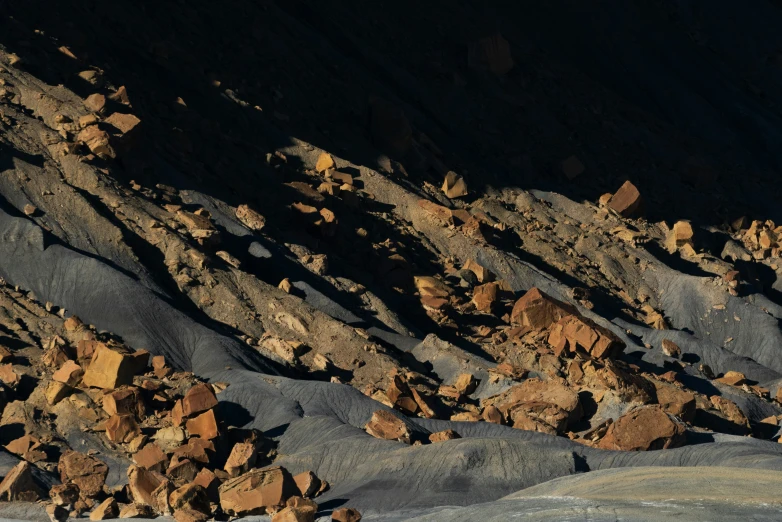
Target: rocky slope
{"x":436,"y":262}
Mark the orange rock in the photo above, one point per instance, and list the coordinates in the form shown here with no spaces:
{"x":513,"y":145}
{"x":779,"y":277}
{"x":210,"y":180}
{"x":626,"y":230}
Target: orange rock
{"x":385,"y":425}
{"x":85,"y":471}
{"x":257,"y":492}
{"x":251,"y":219}
{"x":97,"y":141}
{"x":671,"y":349}
{"x":444,"y":435}
{"x":466,"y":384}
{"x":182,"y":472}
{"x":492,"y":414}
{"x":126,"y":401}
{"x":69,"y":373}
{"x":308,"y":483}
{"x":152,"y":458}
{"x":18,"y":485}
{"x":325,"y":162}
{"x":572,"y":333}
{"x":8,"y":375}
{"x":64,"y":494}
{"x":438,"y":212}
{"x":733,"y":378}
{"x":485,"y":297}
{"x":125,"y":123}
{"x":626,"y":201}
{"x":454,"y":185}
{"x":28,"y":447}
{"x":346,"y":515}
{"x":142,"y":483}
{"x":241,"y":459}
{"x":110,"y":369}
{"x":121,"y":428}
{"x":204,"y":426}
{"x":196,"y":449}
{"x":95,"y":102}
{"x":539,"y":310}
{"x":645,"y":428}
{"x":105,"y":510}
{"x":209,"y":481}
{"x":200,"y":397}
{"x":294,"y":514}
{"x":483,"y":274}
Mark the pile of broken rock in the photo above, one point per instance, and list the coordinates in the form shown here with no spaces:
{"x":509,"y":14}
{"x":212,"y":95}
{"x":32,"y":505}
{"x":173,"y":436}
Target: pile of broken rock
{"x":186,"y":461}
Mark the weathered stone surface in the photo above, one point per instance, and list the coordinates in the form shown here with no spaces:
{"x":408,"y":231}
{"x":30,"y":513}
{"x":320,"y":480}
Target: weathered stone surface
{"x":28,"y":447}
{"x":109,"y":369}
{"x":257,"y":491}
{"x":485,"y":297}
{"x":444,"y":435}
{"x":465,"y":384}
{"x":152,"y":458}
{"x":196,"y":449}
{"x":241,"y":459}
{"x":250,"y":218}
{"x":200,"y":397}
{"x":105,"y":510}
{"x":142,"y":483}
{"x":136,"y":510}
{"x":64,"y":494}
{"x":204,"y":425}
{"x":572,"y":333}
{"x":294,"y":514}
{"x":733,"y":378}
{"x":546,"y":406}
{"x":325,"y":162}
{"x":538,"y":310}
{"x":346,"y":515}
{"x":121,"y":428}
{"x":126,"y":401}
{"x":69,"y":373}
{"x":308,"y":483}
{"x":675,"y":401}
{"x":18,"y":485}
{"x":626,"y":201}
{"x":385,"y":425}
{"x":190,"y":496}
{"x":645,"y":428}
{"x":182,"y":472}
{"x":454,"y":185}
{"x":97,"y":141}
{"x":124,"y":123}
{"x":671,"y":349}
{"x":85,"y":471}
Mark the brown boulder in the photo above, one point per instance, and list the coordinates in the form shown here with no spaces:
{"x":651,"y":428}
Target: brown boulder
{"x":294,"y":514}
{"x":257,"y":491}
{"x":442,"y":436}
{"x":538,"y":310}
{"x":69,"y":373}
{"x":535,"y":401}
{"x":126,"y":401}
{"x":136,"y":510}
{"x":142,"y":483}
{"x":250,"y":218}
{"x":671,"y":349}
{"x":200,"y":397}
{"x":454,"y":185}
{"x":308,"y":483}
{"x":385,"y":425}
{"x":28,"y":447}
{"x":85,"y":471}
{"x":346,"y":515}
{"x":190,"y":496}
{"x":209,"y":481}
{"x":643,"y":429}
{"x":572,"y":333}
{"x":626,"y":201}
{"x":182,"y":471}
{"x":121,"y":428}
{"x":465,"y":384}
{"x":124,"y":123}
{"x":151,"y":458}
{"x":675,"y":401}
{"x":204,"y":426}
{"x":105,"y":510}
{"x":18,"y":484}
{"x":733,"y":378}
{"x":97,"y":141}
{"x":110,"y":369}
{"x":64,"y":494}
{"x":485,"y":297}
{"x":196,"y":450}
{"x":242,"y":458}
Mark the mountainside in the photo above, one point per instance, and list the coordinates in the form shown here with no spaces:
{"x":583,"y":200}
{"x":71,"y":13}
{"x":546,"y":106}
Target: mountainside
{"x":425,"y":260}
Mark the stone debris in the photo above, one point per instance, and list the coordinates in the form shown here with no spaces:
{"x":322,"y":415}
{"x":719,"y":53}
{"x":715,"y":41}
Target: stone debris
{"x":18,"y":484}
{"x":671,"y":349}
{"x":385,"y":425}
{"x":626,"y":201}
{"x":643,"y":429}
{"x":250,"y":218}
{"x":346,"y":515}
{"x":454,"y":186}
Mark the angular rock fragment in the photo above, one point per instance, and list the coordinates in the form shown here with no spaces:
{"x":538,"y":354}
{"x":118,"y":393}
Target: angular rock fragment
{"x":136,"y":510}
{"x":142,"y":483}
{"x":152,"y":458}
{"x":95,"y":102}
{"x":121,"y":428}
{"x":538,"y":310}
{"x":442,"y":436}
{"x":28,"y":447}
{"x":671,"y":349}
{"x":127,"y":401}
{"x":257,"y":491}
{"x":346,"y":515}
{"x":97,"y":141}
{"x":626,"y":201}
{"x":64,"y":494}
{"x":250,"y":218}
{"x":85,"y":471}
{"x":199,"y":398}
{"x":454,"y":186}
{"x":385,"y":425}
{"x":204,"y":425}
{"x":308,"y":484}
{"x":69,"y":373}
{"x":466,"y":384}
{"x":572,"y":333}
{"x":485,"y":297}
{"x":733,"y":378}
{"x":438,"y":212}
{"x":18,"y":485}
{"x":242,"y":458}
{"x":105,"y":510}
{"x":111,"y":369}
{"x":643,"y":429}
{"x":325,"y":162}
